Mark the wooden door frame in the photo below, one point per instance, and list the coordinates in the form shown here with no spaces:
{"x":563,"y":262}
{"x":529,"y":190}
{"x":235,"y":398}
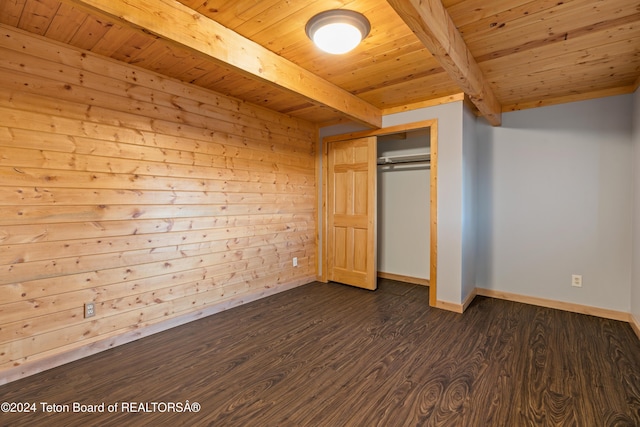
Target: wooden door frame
{"x":432,"y":125}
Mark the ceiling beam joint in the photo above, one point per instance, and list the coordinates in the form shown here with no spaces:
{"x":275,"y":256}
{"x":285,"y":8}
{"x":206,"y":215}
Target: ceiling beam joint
{"x":431,"y":23}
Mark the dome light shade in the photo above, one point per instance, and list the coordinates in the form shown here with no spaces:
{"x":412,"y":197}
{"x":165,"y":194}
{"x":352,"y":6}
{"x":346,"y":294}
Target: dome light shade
{"x":338,"y":31}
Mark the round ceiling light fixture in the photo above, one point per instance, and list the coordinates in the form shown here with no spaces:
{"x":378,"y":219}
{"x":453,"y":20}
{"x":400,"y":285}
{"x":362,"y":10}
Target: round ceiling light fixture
{"x":338,"y":31}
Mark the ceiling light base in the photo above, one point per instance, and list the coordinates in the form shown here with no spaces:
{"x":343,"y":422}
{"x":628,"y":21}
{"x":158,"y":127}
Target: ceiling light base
{"x":338,"y":31}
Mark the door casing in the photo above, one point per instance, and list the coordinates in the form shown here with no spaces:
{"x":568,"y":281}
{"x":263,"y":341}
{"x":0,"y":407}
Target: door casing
{"x":432,"y":125}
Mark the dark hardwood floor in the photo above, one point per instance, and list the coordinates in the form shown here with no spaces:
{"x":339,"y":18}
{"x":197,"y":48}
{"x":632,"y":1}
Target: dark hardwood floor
{"x":333,"y":355}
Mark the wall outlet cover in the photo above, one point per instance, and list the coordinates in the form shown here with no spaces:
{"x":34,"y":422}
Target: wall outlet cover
{"x":576,"y":280}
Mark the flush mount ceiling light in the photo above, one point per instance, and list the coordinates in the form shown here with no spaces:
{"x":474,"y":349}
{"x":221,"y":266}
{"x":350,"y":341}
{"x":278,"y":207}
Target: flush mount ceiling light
{"x":338,"y":31}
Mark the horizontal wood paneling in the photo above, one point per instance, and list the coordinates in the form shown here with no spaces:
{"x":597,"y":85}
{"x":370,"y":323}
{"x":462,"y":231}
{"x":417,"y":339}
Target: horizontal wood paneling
{"x":151,"y":198}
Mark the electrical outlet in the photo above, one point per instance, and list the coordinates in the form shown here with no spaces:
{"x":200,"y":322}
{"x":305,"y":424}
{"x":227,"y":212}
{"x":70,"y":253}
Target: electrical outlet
{"x":295,"y":261}
{"x":576,"y":280}
{"x":89,"y":310}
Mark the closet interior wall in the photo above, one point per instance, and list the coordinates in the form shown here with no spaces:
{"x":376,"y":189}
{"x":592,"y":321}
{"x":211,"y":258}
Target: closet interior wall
{"x":403,"y":207}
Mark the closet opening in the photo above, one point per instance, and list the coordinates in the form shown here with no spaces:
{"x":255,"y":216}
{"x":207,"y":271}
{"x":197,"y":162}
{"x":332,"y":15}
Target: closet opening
{"x":403,"y":206}
{"x":406,"y":162}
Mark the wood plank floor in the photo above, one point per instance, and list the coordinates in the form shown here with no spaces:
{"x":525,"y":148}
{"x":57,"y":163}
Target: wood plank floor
{"x":332,"y":355}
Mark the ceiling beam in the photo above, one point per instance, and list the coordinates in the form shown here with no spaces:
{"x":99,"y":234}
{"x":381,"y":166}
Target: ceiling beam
{"x":178,"y":24}
{"x":431,"y":23}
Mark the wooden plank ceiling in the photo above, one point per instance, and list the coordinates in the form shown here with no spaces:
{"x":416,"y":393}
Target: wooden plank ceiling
{"x":504,"y":54}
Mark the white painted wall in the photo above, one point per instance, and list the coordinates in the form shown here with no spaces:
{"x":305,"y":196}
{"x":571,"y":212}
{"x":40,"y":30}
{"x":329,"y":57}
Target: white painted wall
{"x":469,"y":202}
{"x":554,"y":191}
{"x":450,"y":182}
{"x":403,"y":209}
{"x":555,"y":199}
{"x":635,"y":281}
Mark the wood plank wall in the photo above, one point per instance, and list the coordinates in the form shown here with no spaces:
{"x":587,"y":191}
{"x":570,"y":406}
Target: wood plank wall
{"x":149,"y":197}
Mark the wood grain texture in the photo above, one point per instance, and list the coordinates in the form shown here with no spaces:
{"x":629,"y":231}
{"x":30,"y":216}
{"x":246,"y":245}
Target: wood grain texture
{"x":351,"y":200}
{"x":151,"y":198}
{"x":431,"y":23}
{"x":432,"y":125}
{"x":530,"y":53}
{"x":403,"y":278}
{"x":560,"y":305}
{"x":333,"y":355}
{"x":185,"y":28}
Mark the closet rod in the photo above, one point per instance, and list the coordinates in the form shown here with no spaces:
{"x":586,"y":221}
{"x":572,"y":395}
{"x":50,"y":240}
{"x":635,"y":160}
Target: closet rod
{"x":410,"y":158}
{"x":407,"y":162}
